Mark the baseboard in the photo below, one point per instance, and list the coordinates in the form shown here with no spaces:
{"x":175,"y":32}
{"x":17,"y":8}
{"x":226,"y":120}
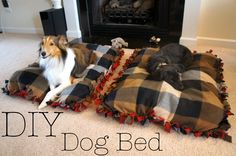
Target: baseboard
{"x":220,"y":42}
{"x":23,"y":30}
{"x":187,"y":41}
{"x":200,"y":40}
{"x":73,"y":34}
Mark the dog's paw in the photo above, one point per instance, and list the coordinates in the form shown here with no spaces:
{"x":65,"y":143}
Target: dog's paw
{"x":53,"y":98}
{"x":42,"y":105}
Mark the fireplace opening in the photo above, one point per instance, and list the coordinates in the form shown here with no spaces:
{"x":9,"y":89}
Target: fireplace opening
{"x":134,"y":20}
{"x":128,"y":12}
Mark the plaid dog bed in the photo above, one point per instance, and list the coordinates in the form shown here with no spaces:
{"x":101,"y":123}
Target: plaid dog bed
{"x":200,"y":108}
{"x":30,"y":83}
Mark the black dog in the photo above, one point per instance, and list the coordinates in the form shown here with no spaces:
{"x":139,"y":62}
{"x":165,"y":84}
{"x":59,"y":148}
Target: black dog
{"x":168,"y":63}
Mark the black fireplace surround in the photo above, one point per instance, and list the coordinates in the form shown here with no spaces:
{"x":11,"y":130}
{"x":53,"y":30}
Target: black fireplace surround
{"x":134,"y":20}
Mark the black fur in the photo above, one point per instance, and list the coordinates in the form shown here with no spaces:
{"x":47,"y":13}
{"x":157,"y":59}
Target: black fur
{"x":168,"y":63}
{"x":63,"y":54}
{"x":74,"y":70}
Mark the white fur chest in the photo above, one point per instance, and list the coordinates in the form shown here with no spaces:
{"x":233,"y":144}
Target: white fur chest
{"x":54,"y":75}
{"x":57,"y":71}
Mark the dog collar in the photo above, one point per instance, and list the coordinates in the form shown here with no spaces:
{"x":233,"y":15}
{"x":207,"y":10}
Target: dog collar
{"x":160,"y":65}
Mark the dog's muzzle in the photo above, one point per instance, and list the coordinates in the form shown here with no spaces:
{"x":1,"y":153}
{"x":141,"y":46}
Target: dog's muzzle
{"x":44,"y":55}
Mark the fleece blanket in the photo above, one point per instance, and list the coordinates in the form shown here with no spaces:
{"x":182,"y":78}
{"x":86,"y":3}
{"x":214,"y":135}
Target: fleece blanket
{"x":30,"y":83}
{"x":200,"y":108}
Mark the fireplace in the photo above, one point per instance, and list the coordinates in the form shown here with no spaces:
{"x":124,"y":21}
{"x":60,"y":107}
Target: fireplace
{"x":134,"y":20}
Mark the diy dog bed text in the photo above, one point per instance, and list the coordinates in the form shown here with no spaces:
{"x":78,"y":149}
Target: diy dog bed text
{"x":72,"y":141}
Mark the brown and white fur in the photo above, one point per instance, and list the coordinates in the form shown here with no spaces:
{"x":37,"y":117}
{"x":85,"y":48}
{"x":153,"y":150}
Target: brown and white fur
{"x":60,"y":62}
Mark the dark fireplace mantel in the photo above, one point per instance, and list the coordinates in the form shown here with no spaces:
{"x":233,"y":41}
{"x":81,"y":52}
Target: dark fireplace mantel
{"x":166,"y":17}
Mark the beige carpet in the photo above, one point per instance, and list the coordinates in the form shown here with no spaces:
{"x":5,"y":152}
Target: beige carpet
{"x":17,"y":51}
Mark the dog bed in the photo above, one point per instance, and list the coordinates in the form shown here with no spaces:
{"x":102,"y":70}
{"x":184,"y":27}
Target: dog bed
{"x":200,"y":108}
{"x":30,"y":83}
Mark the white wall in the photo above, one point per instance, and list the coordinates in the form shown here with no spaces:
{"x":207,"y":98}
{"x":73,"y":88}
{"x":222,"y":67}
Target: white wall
{"x":205,"y":21}
{"x":218,"y":19}
{"x":190,"y":22}
{"x":72,"y":19}
{"x":217,"y":24}
{"x":210,"y":22}
{"x":24,"y":16}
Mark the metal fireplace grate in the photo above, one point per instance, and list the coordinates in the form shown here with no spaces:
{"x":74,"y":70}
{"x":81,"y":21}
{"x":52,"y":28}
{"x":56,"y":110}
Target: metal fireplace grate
{"x":126,"y":14}
{"x":129,"y":17}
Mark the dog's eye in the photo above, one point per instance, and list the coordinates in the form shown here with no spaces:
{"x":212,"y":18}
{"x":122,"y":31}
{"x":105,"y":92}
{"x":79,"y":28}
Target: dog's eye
{"x":51,"y":44}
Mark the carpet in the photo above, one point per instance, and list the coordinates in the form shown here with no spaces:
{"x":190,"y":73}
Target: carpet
{"x":25,"y":130}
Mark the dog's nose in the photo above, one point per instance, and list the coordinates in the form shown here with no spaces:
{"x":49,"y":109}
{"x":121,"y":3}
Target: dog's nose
{"x":43,"y":53}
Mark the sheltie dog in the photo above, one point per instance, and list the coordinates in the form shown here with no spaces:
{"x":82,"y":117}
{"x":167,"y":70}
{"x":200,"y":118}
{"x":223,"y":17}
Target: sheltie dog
{"x":61,"y":62}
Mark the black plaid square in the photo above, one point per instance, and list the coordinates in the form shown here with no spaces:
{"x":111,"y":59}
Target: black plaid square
{"x":147,"y":97}
{"x":189,"y":108}
{"x":28,"y":77}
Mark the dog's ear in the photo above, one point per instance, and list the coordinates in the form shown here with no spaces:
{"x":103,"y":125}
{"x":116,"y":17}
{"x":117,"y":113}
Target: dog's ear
{"x":42,"y":42}
{"x":173,"y":78}
{"x":61,"y":41}
{"x":40,"y":46}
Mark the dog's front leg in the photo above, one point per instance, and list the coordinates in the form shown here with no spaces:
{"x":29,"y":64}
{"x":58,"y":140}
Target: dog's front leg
{"x":53,"y":93}
{"x":52,"y":87}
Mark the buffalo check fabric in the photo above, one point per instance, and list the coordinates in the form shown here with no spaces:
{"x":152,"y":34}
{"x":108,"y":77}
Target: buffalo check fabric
{"x":30,"y":83}
{"x":200,"y":108}
{"x":74,"y":96}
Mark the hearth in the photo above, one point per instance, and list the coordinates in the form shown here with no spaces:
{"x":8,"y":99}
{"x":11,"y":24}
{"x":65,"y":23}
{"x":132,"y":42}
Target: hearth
{"x":134,"y":20}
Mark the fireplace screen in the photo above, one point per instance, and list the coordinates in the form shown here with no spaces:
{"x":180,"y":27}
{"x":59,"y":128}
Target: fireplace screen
{"x":124,"y":11}
{"x":131,"y":18}
{"x":130,"y":12}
